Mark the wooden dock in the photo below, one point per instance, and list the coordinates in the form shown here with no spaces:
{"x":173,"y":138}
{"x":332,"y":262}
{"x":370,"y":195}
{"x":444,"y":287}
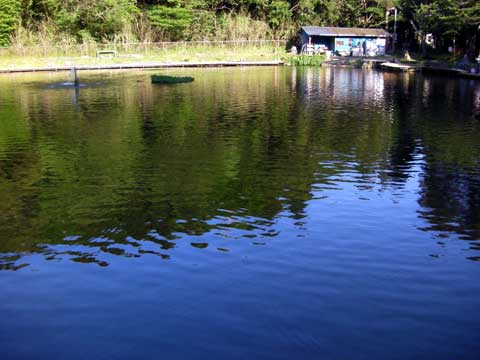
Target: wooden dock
{"x":391,"y":66}
{"x":355,"y":61}
{"x":449,"y":72}
{"x":145,"y":66}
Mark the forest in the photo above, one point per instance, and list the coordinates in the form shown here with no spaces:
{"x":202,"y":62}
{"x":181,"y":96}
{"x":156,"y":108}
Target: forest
{"x":420,"y":23}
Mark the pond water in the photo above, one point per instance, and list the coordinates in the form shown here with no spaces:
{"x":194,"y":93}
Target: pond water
{"x":257,"y":213}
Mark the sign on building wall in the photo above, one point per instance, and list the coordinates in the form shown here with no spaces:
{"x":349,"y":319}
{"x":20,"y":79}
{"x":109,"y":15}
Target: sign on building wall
{"x":360,"y":46}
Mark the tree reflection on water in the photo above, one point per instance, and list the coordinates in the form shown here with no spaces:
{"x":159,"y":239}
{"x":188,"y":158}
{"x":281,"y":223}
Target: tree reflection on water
{"x":133,"y":169}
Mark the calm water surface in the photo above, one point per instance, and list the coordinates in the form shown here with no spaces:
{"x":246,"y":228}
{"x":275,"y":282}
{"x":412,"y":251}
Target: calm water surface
{"x":257,"y":213}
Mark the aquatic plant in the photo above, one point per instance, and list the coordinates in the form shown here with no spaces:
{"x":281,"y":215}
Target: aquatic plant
{"x":305,"y":60}
{"x":164,"y":79}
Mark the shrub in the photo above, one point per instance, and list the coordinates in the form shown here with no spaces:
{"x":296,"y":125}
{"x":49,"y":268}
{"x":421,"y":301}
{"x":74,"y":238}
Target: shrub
{"x":101,"y":18}
{"x":171,"y":21}
{"x":305,"y":60}
{"x":9,"y":19}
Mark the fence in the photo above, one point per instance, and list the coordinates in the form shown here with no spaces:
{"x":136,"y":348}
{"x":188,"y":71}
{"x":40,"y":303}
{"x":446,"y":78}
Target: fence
{"x":141,"y":49}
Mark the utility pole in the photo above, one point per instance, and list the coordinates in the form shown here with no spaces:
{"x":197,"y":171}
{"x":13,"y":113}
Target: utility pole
{"x":395,"y":13}
{"x":478,"y":58}
{"x":395,"y":30}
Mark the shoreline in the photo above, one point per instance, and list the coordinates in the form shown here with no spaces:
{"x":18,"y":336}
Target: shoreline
{"x":160,"y":65}
{"x":339,"y":62}
{"x":449,"y":72}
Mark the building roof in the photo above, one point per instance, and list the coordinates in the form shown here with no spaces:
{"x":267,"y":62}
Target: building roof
{"x":341,"y":31}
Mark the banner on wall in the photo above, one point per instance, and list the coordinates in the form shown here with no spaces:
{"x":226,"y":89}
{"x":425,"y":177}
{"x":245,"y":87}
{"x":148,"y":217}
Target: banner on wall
{"x":360,"y":46}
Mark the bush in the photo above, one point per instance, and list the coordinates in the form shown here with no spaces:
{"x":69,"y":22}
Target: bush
{"x":305,"y":60}
{"x":9,"y":19}
{"x":102,"y":19}
{"x":170,"y":21}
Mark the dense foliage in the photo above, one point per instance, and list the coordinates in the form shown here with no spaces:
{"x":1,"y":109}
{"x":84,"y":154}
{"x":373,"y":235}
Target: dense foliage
{"x":53,"y":21}
{"x":446,"y":20}
{"x":9,"y":19}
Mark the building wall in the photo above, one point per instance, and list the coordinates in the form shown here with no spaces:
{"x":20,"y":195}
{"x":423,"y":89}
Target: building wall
{"x":373,"y":46}
{"x":358,"y":46}
{"x":327,"y":41}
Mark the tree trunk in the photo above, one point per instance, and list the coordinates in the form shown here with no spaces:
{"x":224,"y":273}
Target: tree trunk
{"x":472,"y":46}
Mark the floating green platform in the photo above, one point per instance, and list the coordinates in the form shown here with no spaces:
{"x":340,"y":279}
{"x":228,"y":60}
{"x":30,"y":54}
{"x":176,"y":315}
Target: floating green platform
{"x":163,"y":79}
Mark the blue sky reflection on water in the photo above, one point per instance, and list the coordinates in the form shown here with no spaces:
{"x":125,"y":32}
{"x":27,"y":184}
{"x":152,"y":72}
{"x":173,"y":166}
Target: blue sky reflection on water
{"x":256,"y":213}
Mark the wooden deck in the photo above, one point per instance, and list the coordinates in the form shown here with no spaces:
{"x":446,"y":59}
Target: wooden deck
{"x":145,"y":66}
{"x":356,"y":61}
{"x":399,"y":67}
{"x":438,"y":70}
{"x":449,"y":72}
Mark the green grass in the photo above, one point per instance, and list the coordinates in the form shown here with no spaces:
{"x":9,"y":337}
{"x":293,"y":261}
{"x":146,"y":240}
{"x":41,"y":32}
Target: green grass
{"x":22,"y":59}
{"x":446,"y":59}
{"x":407,"y":62}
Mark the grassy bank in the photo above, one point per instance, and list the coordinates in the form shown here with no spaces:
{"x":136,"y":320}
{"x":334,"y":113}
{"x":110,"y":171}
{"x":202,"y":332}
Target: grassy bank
{"x":138,"y":53}
{"x":305,"y":60}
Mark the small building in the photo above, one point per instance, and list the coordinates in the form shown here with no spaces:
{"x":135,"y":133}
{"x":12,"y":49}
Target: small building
{"x":344,"y":41}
